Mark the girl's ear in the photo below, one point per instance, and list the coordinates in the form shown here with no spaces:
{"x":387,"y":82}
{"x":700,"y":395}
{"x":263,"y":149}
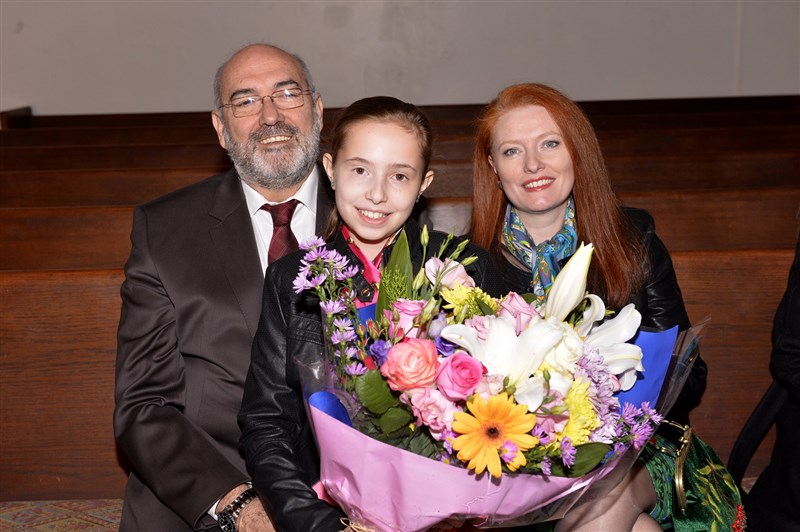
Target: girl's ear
{"x":426,"y":182}
{"x":327,"y":163}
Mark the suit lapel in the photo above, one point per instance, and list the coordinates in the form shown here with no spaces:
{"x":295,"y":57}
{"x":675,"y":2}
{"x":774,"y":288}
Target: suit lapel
{"x":236,"y":248}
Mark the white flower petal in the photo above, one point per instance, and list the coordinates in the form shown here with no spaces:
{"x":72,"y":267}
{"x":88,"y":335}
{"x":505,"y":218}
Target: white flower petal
{"x":530,"y":392}
{"x":569,"y":286}
{"x":622,"y":357}
{"x":595,"y":312}
{"x":619,"y":329}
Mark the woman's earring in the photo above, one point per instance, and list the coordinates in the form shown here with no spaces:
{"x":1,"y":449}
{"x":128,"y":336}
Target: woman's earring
{"x":499,"y":184}
{"x":333,"y":185}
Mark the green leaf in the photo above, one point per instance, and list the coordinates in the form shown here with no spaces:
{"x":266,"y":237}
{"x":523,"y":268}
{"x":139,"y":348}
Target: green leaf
{"x":374,"y":393}
{"x":587,"y":456}
{"x":394,"y":419}
{"x":422,"y":444}
{"x":398,"y":276}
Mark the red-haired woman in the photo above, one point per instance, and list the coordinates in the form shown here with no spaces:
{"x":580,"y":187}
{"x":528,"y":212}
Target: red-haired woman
{"x":540,"y":188}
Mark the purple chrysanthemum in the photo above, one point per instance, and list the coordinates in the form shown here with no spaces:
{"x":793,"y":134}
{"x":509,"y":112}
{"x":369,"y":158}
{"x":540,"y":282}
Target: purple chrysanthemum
{"x":344,"y":324}
{"x":567,"y":452}
{"x":317,"y":280}
{"x":355,"y":368}
{"x":312,"y":242}
{"x":300,"y":284}
{"x":342,"y":336}
{"x":346,"y":273}
{"x":331,"y":308}
{"x":640,"y":433}
{"x":545,"y":465}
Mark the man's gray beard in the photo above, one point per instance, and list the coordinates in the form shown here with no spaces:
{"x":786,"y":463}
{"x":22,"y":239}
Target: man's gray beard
{"x":280,"y":169}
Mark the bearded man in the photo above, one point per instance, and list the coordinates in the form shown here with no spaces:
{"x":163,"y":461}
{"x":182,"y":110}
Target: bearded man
{"x":191,"y":298}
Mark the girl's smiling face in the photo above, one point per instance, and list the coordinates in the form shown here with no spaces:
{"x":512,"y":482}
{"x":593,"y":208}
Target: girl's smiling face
{"x":378,"y":173}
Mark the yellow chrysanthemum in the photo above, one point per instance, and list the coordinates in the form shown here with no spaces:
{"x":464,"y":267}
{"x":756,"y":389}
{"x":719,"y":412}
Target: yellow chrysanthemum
{"x":582,"y":415}
{"x":463,"y":301}
{"x":491,"y":425}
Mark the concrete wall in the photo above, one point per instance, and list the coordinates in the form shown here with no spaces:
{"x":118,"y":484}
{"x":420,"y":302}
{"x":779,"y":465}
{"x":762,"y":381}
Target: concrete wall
{"x":74,"y":56}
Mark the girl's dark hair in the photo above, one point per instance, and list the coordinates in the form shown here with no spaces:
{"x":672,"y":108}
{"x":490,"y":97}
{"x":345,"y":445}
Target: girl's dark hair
{"x":380,"y":109}
{"x":619,"y":264}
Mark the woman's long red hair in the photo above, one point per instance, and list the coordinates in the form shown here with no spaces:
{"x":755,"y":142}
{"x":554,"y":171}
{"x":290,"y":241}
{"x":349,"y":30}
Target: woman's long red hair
{"x":619,"y":265}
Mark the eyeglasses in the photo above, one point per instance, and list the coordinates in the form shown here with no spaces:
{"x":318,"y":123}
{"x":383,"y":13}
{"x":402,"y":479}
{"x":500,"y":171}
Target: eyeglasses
{"x":282,"y":99}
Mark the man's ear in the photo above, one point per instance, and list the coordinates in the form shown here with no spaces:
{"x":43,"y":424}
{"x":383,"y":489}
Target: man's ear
{"x":319,"y":106}
{"x":327,"y":163}
{"x":216,"y":120}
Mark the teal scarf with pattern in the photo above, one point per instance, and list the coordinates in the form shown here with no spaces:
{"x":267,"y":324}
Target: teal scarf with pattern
{"x":543,"y":259}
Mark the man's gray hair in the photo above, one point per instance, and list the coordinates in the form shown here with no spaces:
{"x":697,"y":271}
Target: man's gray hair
{"x":218,"y":76}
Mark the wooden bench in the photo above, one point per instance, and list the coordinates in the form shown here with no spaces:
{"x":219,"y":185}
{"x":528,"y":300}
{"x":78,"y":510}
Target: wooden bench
{"x":59,"y":238}
{"x":740,"y":291}
{"x":58,"y":338}
{"x":656,"y":113}
{"x":98,"y":237}
{"x":57,"y":332}
{"x":134,"y":185}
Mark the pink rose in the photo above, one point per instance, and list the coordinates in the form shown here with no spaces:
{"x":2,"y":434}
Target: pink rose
{"x":454,"y":273}
{"x":407,"y":310}
{"x":458,"y":376}
{"x":411,"y":364}
{"x":433,"y":410}
{"x":515,"y":307}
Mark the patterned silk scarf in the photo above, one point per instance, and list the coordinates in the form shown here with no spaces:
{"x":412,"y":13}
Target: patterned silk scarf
{"x":543,"y":259}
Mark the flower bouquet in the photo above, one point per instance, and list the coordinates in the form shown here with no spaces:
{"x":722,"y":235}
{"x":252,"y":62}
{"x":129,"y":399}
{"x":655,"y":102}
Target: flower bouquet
{"x":440,"y":403}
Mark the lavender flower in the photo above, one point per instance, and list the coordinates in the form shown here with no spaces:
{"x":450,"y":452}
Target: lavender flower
{"x":355,"y":368}
{"x":343,"y":336}
{"x":508,"y":451}
{"x":640,"y":433}
{"x":333,"y":307}
{"x":567,"y":452}
{"x":546,"y":464}
{"x":343,"y":324}
{"x":312,"y":242}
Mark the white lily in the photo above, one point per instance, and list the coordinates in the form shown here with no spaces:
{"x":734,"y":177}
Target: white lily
{"x":503,"y":352}
{"x":623,"y":359}
{"x":569,"y":287}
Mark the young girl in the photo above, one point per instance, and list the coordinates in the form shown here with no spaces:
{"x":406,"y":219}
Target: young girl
{"x":378,"y":167}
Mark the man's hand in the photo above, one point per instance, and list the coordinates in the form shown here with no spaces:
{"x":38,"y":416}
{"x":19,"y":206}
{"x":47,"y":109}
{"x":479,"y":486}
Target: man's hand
{"x":253,"y":516}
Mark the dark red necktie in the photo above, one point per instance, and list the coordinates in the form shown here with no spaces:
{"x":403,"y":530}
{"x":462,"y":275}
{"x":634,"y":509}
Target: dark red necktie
{"x":283,"y":241}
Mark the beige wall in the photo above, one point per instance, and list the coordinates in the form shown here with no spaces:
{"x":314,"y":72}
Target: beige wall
{"x":109,"y":56}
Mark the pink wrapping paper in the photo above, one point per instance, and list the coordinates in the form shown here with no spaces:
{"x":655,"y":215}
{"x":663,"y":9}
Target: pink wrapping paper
{"x":395,"y":490}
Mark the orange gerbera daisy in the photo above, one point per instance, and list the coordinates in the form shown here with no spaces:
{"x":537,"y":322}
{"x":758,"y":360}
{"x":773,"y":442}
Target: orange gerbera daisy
{"x":491,"y":426}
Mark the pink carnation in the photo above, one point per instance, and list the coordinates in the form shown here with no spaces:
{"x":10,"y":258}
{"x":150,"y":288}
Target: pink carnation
{"x":433,"y":410}
{"x":411,"y":364}
{"x":459,"y":375}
